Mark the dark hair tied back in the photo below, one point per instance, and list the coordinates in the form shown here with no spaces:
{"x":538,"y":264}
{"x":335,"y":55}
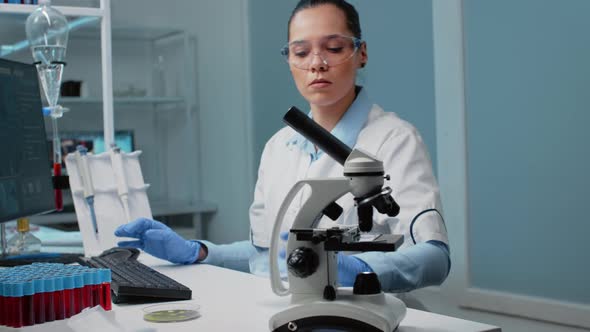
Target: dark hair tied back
{"x":352,"y":16}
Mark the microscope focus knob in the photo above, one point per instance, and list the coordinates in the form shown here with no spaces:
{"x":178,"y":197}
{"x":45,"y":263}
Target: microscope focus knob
{"x":366,"y":283}
{"x":303,"y":262}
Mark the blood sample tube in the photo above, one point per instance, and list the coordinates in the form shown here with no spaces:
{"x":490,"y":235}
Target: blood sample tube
{"x":15,"y":304}
{"x":78,"y":287}
{"x":68,"y":292}
{"x":96,"y":287}
{"x":87,"y":291}
{"x":3,"y":307}
{"x":49,"y":283}
{"x":39,"y":301}
{"x":7,"y":312}
{"x":9,"y":318}
{"x":27,"y":304}
{"x":105,"y":279}
{"x":58,"y":299}
{"x":59,"y":204}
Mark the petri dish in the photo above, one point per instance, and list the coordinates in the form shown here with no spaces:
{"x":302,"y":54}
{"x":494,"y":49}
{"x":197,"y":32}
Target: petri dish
{"x":171,"y":312}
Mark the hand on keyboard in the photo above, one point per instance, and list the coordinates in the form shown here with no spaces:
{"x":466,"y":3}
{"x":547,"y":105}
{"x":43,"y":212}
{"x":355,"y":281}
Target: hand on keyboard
{"x":159,"y":240}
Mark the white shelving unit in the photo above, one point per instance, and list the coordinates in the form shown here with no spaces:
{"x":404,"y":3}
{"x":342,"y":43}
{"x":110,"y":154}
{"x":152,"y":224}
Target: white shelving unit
{"x":103,"y":13}
{"x":180,"y":105}
{"x":66,"y":10}
{"x":122,"y":100}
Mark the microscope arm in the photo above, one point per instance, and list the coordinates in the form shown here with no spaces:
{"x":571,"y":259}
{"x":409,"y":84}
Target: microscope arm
{"x":324,"y":192}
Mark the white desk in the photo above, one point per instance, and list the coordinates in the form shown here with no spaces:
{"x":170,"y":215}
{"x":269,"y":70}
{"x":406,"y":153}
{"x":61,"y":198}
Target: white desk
{"x":235,"y":301}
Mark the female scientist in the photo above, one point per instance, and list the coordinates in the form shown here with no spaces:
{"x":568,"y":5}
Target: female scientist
{"x":324,"y":52}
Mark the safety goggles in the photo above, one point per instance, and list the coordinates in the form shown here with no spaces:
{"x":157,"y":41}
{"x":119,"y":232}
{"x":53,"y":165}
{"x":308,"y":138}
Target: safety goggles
{"x":332,"y":51}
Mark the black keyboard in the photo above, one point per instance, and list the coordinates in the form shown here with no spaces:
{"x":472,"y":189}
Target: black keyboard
{"x":134,"y":282}
{"x":43,"y":257}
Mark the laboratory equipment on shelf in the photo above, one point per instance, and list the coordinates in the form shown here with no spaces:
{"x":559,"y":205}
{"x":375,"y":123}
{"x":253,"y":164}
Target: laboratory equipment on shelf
{"x":47,"y":33}
{"x":317,"y":302}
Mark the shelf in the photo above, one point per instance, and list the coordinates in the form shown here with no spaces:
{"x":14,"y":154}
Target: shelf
{"x":66,"y":10}
{"x":158,"y":209}
{"x":16,"y":24}
{"x":127,"y":33}
{"x":87,"y":27}
{"x":123,"y":100}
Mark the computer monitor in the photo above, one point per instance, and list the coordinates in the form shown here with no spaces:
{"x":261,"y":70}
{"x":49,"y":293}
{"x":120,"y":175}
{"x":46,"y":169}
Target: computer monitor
{"x":25,"y":181}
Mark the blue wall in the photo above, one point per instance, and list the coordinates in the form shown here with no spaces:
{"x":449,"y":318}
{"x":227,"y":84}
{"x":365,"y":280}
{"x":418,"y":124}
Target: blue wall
{"x":528,"y":100}
{"x":399,"y":75}
{"x":273,"y":89}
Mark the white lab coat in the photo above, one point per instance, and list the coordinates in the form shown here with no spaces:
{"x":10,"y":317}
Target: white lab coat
{"x":392,"y":140}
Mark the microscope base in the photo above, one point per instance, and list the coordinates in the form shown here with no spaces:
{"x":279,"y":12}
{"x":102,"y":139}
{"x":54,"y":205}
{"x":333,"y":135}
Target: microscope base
{"x":362,"y":313}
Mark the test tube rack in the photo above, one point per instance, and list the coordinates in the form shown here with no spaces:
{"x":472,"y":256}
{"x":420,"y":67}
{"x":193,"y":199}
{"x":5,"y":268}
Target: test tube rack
{"x":45,"y":292}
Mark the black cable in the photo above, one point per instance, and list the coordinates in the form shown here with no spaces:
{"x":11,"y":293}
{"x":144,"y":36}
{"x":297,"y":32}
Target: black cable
{"x":416,"y":218}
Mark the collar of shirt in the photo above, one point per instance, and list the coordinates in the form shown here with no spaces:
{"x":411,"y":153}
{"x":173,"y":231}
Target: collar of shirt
{"x":346,"y":130}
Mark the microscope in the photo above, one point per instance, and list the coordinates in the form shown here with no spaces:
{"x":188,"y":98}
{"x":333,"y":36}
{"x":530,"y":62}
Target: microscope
{"x":317,"y":301}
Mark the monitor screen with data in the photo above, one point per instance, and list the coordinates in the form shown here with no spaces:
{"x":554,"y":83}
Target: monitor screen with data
{"x":25,"y":180}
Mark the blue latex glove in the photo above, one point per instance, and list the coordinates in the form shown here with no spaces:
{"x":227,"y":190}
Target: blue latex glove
{"x":159,"y":240}
{"x":348,"y":266}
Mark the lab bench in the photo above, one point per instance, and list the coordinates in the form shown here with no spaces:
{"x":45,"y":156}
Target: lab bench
{"x":244,"y":298}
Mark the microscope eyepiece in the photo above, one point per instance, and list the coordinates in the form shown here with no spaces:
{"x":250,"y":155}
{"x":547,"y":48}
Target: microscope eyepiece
{"x":319,"y":136}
